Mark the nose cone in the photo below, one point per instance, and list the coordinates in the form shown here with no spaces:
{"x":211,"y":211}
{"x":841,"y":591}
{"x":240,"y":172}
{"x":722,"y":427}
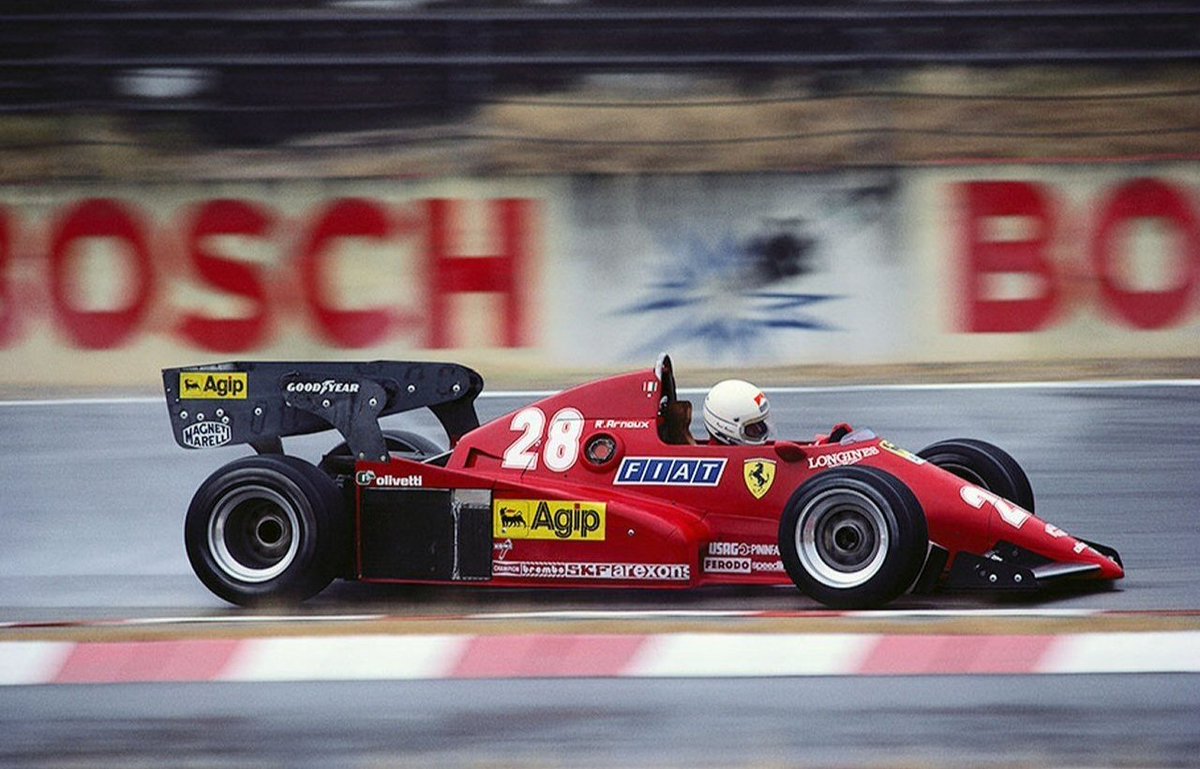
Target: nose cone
{"x":1051,"y":542}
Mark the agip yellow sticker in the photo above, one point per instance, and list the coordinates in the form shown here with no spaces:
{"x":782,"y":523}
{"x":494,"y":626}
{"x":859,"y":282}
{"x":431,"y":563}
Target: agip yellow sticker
{"x":548,"y":519}
{"x":207,"y":385}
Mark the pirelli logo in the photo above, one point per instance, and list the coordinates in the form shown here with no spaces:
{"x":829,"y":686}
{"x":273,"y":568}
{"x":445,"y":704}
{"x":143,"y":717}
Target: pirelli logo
{"x":207,"y":385}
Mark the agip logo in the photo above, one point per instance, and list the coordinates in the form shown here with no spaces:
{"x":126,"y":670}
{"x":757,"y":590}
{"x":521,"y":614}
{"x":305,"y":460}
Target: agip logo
{"x":204,"y":385}
{"x":548,"y":519}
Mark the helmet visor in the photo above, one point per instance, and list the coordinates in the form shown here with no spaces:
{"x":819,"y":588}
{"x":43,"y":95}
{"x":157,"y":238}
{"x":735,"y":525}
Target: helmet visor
{"x":756,"y":431}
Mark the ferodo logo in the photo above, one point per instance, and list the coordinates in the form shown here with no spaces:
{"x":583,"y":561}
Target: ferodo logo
{"x":548,"y":519}
{"x":202,"y":385}
{"x":326,"y":387}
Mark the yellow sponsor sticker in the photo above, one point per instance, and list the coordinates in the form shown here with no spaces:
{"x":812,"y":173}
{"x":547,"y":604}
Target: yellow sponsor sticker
{"x":207,"y":385}
{"x":905,"y":453}
{"x":548,"y":519}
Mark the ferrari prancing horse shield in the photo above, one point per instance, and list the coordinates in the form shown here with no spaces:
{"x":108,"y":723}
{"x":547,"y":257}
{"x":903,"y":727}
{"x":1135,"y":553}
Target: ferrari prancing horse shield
{"x":759,"y":475}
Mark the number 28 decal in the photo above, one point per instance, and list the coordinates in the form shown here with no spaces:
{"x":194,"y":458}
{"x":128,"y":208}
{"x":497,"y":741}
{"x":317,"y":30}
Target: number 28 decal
{"x":561,"y":444}
{"x":1009,"y":513}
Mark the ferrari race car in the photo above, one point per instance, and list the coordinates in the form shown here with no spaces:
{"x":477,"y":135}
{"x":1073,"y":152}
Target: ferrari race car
{"x":601,"y":485}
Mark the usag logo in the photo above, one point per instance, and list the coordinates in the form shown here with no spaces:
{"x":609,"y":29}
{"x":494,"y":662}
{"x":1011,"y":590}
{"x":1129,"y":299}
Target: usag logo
{"x":759,"y":475}
{"x":201,"y":385}
{"x":545,"y":519}
{"x":663,"y":471}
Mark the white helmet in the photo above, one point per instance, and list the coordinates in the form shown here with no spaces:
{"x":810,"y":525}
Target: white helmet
{"x":736,"y":412}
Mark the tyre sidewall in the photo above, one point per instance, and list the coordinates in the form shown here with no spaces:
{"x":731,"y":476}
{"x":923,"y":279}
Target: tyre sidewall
{"x":314,"y":500}
{"x":908,"y":538}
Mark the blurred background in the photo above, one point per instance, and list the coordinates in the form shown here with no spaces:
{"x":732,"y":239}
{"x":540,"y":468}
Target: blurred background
{"x":551,"y":190}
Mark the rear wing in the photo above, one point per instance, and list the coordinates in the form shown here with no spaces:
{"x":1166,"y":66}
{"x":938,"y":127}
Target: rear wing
{"x":259,"y":403}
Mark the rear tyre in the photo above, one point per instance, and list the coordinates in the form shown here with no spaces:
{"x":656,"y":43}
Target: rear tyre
{"x":267,"y":529}
{"x":853,"y":537}
{"x":984,"y":465}
{"x":409,"y":445}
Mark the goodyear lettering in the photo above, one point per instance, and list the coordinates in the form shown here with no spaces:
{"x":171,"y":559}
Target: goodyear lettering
{"x":548,"y":519}
{"x":206,"y":435}
{"x":665,"y":471}
{"x":202,"y":385}
{"x":326,"y":387}
{"x":654,"y":572}
{"x":842,"y":458}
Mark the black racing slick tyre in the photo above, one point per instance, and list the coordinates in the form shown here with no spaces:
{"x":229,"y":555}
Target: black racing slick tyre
{"x":984,"y":465}
{"x":407,"y":444}
{"x":266,"y":530}
{"x":853,"y":537}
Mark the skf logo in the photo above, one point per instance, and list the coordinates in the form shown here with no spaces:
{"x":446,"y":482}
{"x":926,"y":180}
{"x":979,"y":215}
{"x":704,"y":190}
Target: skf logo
{"x":759,"y":475}
{"x":201,"y":385}
{"x":547,"y":519}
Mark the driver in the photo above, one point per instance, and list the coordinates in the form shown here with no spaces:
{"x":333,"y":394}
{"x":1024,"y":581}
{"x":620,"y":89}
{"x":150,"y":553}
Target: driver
{"x":735,"y":413}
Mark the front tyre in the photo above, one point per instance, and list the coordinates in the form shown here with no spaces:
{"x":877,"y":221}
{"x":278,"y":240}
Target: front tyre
{"x":984,"y":465}
{"x":853,"y":537}
{"x":266,"y":529}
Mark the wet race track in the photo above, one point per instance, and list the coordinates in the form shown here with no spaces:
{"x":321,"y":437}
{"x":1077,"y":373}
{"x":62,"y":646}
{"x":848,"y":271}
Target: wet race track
{"x":95,"y":493}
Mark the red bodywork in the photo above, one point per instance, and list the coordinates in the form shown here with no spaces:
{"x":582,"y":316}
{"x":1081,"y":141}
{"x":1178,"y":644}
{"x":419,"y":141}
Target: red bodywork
{"x":641,"y":512}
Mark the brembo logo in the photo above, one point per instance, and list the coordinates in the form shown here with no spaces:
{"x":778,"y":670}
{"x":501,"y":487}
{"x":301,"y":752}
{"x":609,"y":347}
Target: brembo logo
{"x":842,"y":458}
{"x":322,"y":388}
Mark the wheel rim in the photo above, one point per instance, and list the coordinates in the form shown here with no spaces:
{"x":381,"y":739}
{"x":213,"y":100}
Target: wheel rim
{"x":842,"y":539}
{"x":252,"y":533}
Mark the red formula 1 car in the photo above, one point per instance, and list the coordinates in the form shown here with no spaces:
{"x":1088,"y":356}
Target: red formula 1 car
{"x":601,"y":485}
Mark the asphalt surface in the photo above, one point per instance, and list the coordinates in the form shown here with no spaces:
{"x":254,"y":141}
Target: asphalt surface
{"x":94,"y":495}
{"x":1066,"y":721}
